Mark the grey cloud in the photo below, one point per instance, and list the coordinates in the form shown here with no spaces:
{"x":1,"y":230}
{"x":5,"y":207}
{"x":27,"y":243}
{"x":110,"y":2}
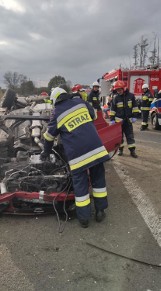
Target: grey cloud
{"x":79,"y":40}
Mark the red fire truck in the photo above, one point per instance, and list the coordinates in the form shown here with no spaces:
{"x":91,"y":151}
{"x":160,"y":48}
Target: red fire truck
{"x":134,"y":79}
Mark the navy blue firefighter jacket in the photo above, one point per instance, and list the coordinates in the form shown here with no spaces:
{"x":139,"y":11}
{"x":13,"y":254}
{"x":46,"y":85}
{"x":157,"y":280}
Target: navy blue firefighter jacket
{"x":73,"y":120}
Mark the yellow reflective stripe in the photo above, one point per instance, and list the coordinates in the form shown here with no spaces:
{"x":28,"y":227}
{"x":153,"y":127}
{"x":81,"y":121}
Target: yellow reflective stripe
{"x":48,"y":136}
{"x":119,"y":105}
{"x":150,"y":99}
{"x":131,"y":146}
{"x":112,"y":113}
{"x":71,"y":115}
{"x":77,"y":121}
{"x":145,"y":108}
{"x":94,"y":98}
{"x":99,"y":194}
{"x":144,"y":123}
{"x":47,"y":101}
{"x":88,"y":160}
{"x":82,"y":203}
{"x":117,"y":119}
{"x":135,"y":110}
{"x":145,"y":98}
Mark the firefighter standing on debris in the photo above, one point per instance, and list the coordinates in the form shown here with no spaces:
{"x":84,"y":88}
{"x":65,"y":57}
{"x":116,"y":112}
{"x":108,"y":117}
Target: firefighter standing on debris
{"x":73,"y":120}
{"x":125,"y":110}
{"x":146,"y":100}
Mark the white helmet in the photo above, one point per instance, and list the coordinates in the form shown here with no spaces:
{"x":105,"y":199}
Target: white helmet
{"x":55,"y":93}
{"x":145,"y":86}
{"x":95,"y":84}
{"x":52,"y":89}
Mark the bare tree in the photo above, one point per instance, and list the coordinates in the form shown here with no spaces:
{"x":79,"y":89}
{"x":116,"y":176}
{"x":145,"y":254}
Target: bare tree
{"x":13,"y":80}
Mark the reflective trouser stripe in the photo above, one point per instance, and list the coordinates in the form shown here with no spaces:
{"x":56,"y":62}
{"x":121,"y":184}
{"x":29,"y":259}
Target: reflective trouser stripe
{"x":82,"y":201}
{"x":144,"y":123}
{"x":99,"y":193}
{"x":131,"y":146}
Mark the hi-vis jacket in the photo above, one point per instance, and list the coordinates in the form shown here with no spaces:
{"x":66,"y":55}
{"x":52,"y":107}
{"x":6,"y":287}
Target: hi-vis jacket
{"x":123,"y":107}
{"x":72,"y":119}
{"x":146,"y":100}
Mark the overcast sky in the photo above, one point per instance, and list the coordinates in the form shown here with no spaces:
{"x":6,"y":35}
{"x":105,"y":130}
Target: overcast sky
{"x":77,"y":39}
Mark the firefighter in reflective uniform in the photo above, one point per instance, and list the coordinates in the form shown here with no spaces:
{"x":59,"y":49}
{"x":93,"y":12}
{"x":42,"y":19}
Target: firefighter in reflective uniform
{"x":73,"y":120}
{"x":125,"y":110}
{"x":146,"y":100}
{"x":93,"y":97}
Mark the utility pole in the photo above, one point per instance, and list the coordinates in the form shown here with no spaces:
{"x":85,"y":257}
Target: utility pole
{"x":158,"y":58}
{"x":135,"y":56}
{"x":143,"y":52}
{"x":154,"y":59}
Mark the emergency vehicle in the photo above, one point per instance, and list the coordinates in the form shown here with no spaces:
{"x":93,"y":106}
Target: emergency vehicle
{"x":134,"y":79}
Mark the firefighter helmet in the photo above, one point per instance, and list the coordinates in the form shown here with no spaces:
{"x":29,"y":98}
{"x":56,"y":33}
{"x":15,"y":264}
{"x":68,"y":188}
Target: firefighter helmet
{"x":95,"y":84}
{"x":45,"y":94}
{"x":119,"y":85}
{"x":76,"y":88}
{"x":145,"y":86}
{"x":56,"y":93}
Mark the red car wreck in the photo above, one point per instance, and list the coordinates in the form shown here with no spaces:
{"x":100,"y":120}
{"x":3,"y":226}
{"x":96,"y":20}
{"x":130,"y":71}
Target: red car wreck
{"x":29,"y":185}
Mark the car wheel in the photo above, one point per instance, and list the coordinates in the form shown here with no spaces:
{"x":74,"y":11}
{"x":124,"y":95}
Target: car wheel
{"x":155,"y":124}
{"x":9,"y":99}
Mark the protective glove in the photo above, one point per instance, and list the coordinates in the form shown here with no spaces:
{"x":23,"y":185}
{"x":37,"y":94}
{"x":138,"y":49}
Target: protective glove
{"x":44,"y":156}
{"x":112,"y":122}
{"x":133,"y":119}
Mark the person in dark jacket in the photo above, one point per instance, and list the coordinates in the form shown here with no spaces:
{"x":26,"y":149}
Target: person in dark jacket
{"x":85,"y":153}
{"x":93,"y":97}
{"x":146,"y":100}
{"x":125,"y":110}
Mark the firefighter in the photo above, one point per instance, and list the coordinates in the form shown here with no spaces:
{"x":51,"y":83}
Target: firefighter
{"x":146,"y":100}
{"x":93,"y":97}
{"x":78,"y":90}
{"x":85,"y":153}
{"x":125,"y":110}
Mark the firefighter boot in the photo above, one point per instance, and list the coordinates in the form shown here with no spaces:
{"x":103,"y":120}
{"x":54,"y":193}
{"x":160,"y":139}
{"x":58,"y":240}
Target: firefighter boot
{"x":143,"y":127}
{"x":84,"y":223}
{"x":120,"y":152}
{"x":133,"y":153}
{"x":100,"y":215}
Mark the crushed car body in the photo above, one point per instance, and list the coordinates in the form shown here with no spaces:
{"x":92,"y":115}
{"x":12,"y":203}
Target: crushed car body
{"x":29,"y":185}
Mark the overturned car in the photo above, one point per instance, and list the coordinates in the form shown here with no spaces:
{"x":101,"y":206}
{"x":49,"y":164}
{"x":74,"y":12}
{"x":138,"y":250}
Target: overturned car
{"x":29,"y":185}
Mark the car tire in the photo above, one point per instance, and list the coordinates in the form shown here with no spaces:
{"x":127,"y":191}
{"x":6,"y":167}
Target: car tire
{"x":9,"y":99}
{"x":154,"y":119}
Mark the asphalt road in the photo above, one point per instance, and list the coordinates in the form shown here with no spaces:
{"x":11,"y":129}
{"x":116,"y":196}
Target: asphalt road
{"x":119,"y":254}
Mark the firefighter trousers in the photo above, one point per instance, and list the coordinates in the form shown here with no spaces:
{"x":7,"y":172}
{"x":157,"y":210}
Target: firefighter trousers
{"x":96,"y":176}
{"x":145,"y":116}
{"x":127,"y":130}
